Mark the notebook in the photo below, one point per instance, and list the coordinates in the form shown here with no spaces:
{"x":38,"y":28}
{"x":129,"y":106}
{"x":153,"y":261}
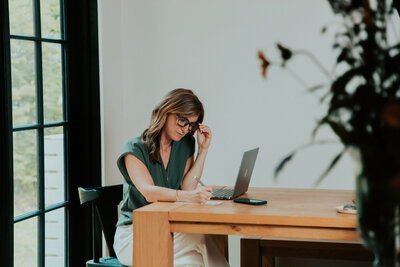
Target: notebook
{"x":242,"y":180}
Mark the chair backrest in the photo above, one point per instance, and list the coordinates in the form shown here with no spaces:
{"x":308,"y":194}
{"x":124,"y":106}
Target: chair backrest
{"x":104,"y":201}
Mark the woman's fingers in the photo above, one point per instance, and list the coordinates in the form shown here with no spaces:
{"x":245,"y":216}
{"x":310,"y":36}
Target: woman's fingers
{"x":205,"y":194}
{"x":204,"y":129}
{"x":204,"y":136}
{"x":208,"y":188}
{"x":202,"y":194}
{"x":208,"y":194}
{"x":204,"y":198}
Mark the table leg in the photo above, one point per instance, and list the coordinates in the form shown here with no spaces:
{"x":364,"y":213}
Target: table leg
{"x":153,"y":241}
{"x":250,"y":252}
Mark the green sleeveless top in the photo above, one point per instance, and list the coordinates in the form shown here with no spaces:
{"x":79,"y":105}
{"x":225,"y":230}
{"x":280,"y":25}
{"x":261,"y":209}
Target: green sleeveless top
{"x":170,"y":177}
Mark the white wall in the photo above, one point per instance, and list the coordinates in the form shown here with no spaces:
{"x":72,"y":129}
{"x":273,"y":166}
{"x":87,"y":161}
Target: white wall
{"x":151,"y":47}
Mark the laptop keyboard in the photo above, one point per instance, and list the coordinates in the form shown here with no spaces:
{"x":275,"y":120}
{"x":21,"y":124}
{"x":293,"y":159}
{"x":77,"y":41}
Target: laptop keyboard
{"x":222,"y":193}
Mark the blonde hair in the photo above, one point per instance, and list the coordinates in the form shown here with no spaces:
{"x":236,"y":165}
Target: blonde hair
{"x":178,"y":101}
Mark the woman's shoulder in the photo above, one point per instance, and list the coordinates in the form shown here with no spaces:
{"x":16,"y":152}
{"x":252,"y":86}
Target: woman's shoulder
{"x":134,"y":140}
{"x":134,"y":143}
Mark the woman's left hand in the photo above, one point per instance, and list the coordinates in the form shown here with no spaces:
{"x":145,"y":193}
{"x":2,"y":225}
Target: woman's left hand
{"x":203,"y":137}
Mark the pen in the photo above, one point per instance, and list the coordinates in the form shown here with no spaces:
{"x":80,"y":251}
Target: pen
{"x":198,"y":180}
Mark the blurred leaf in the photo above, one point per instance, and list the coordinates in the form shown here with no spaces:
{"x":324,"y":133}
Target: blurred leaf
{"x":345,"y":56}
{"x":325,"y":96}
{"x":394,"y":88}
{"x":361,"y":110}
{"x":333,"y":163}
{"x":316,"y":87}
{"x":282,"y":164}
{"x":345,"y":6}
{"x":357,"y":28}
{"x":396,"y":5}
{"x":339,"y":85}
{"x":392,"y":65}
{"x":340,"y":101}
{"x":289,"y":157}
{"x":264,"y":63}
{"x":339,"y":130}
{"x":319,"y":124}
{"x":397,"y":46}
{"x":286,"y":53}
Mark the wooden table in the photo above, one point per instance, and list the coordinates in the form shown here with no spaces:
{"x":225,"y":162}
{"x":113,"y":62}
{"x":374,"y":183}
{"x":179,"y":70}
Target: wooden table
{"x":291,"y":213}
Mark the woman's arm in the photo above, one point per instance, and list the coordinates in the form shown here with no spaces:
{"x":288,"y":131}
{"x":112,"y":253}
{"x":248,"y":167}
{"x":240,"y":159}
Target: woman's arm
{"x":143,"y":181}
{"x":195,"y":168}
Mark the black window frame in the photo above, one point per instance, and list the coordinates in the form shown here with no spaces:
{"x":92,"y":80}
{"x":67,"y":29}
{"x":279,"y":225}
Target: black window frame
{"x":82,"y":109}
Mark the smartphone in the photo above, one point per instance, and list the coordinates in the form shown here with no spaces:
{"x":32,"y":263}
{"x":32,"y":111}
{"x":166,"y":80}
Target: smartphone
{"x":250,"y":201}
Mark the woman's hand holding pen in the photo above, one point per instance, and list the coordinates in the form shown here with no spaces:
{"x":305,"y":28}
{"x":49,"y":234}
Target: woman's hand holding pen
{"x":201,"y":195}
{"x":203,"y":137}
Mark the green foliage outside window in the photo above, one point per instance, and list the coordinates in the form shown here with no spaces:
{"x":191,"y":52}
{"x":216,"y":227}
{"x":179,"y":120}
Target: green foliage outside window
{"x":24,"y":110}
{"x":24,"y":96}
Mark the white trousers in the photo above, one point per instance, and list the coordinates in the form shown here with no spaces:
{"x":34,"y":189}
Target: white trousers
{"x":190,"y":250}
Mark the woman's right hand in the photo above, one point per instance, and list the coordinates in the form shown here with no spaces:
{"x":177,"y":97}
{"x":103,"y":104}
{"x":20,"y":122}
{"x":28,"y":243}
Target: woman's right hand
{"x":201,"y":195}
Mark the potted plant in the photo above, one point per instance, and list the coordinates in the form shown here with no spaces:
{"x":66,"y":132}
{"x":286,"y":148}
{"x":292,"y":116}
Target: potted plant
{"x":364,"y":112}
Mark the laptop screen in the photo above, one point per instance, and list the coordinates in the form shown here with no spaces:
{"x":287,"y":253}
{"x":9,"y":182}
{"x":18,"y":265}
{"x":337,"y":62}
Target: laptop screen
{"x":245,"y":172}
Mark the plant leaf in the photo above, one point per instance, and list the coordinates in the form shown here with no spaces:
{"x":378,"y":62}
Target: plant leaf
{"x":341,"y":101}
{"x":319,"y":124}
{"x":396,"y":5}
{"x":339,"y":131}
{"x":392,"y":65}
{"x":316,"y":87}
{"x":333,"y":163}
{"x":339,"y":85}
{"x":343,"y":56}
{"x":282,"y":164}
{"x":264,"y":63}
{"x":325,"y":96}
{"x":286,"y":53}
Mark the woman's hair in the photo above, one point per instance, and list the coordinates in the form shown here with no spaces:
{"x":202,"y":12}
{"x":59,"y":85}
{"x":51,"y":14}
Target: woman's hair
{"x":179,"y":101}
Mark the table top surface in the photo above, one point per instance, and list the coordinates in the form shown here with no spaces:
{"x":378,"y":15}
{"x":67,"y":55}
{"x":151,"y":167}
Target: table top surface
{"x":286,"y":206}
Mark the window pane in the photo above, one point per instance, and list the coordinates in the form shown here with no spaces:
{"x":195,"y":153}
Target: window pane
{"x":55,"y":238}
{"x":25,"y":172}
{"x":23,"y":82}
{"x":25,"y":243}
{"x":50,"y":12}
{"x":52,"y":82}
{"x":21,"y":17}
{"x":53,"y":165}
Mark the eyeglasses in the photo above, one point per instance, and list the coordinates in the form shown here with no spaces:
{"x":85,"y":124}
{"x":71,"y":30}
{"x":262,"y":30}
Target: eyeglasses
{"x":183,"y":122}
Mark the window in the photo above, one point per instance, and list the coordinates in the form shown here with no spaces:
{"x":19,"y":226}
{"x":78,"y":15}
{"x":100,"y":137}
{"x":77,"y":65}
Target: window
{"x":37,"y":47}
{"x":50,"y":129}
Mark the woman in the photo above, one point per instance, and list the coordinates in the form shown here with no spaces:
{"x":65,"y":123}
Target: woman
{"x":160,"y":166}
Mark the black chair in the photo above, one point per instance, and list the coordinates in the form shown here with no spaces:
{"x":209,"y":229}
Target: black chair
{"x":104,"y":201}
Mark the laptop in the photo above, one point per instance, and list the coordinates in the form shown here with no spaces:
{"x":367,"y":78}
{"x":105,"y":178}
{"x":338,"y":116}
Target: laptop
{"x":242,"y":180}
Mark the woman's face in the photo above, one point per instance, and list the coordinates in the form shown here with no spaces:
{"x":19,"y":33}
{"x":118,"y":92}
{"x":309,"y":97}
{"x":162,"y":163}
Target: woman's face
{"x":173,"y":130}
